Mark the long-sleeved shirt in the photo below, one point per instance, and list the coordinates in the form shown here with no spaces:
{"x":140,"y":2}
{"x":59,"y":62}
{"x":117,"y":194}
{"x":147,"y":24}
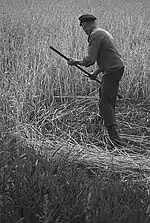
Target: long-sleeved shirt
{"x":102,"y":49}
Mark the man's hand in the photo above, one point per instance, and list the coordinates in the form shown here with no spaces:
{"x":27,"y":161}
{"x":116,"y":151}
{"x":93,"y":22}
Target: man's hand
{"x":93,"y":76}
{"x":72,"y":62}
{"x":75,"y":62}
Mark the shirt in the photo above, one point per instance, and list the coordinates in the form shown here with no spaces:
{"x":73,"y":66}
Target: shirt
{"x":102,"y":49}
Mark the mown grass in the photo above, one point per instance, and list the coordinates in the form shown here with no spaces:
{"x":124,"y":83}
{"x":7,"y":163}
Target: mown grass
{"x":55,"y":163}
{"x":36,"y":188}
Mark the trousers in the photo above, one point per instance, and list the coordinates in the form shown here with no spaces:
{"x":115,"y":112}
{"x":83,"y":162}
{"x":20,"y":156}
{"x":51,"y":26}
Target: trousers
{"x":107,"y":94}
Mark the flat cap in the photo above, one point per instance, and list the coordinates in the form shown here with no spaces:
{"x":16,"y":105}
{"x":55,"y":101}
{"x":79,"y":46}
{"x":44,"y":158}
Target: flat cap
{"x":86,"y":17}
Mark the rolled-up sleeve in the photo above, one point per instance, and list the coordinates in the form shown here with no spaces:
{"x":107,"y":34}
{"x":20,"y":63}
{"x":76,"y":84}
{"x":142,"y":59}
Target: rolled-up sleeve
{"x":93,"y":49}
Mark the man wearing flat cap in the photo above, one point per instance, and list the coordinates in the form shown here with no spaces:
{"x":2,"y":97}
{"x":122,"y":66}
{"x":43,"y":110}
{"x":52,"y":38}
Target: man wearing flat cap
{"x":102,"y":49}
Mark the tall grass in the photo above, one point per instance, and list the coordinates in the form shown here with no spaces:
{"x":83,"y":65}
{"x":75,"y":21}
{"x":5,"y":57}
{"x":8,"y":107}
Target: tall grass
{"x":27,"y":32}
{"x":30,"y":70}
{"x":31,"y":75}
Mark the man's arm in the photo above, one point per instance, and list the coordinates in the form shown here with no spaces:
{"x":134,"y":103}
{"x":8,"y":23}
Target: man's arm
{"x":75,"y":62}
{"x":93,"y":49}
{"x":95,"y":73}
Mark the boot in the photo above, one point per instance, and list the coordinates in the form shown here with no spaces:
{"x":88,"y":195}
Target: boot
{"x":114,"y":136}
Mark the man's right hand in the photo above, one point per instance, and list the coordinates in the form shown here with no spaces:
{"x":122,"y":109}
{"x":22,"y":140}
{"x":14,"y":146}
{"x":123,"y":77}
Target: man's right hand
{"x":93,"y":76}
{"x":72,"y":62}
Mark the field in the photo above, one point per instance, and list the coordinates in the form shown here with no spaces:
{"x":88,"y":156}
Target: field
{"x":55,"y":164}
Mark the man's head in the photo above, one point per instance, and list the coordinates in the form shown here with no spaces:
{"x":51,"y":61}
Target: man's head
{"x":87,"y":21}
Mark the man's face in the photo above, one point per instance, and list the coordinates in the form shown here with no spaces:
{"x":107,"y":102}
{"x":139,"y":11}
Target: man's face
{"x":86,"y":27}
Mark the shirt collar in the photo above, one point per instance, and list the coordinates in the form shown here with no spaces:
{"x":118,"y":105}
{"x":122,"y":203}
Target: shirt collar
{"x":92,"y":33}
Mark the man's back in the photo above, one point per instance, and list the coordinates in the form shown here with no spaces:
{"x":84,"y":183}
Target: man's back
{"x":108,"y":57}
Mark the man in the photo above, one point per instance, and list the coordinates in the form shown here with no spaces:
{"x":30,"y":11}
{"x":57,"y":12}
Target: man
{"x":102,"y":49}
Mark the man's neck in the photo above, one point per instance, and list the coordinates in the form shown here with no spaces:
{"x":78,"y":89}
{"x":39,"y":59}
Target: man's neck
{"x":92,"y":28}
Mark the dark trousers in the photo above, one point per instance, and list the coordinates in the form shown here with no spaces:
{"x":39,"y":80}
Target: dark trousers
{"x":108,"y":93}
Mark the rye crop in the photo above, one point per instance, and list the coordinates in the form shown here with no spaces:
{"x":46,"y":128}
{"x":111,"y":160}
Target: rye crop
{"x":55,"y":163}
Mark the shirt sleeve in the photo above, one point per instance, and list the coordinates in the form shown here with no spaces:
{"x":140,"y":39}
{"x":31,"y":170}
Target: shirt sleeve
{"x":93,"y":49}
